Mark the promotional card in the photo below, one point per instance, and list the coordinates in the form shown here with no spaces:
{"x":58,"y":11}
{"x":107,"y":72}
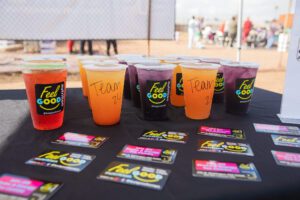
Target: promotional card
{"x":165,"y":136}
{"x":222,"y":132}
{"x":286,"y":158}
{"x":276,"y":129}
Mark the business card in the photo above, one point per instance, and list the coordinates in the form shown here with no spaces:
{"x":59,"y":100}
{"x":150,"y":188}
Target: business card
{"x":16,"y":187}
{"x":219,"y":146}
{"x":286,"y":158}
{"x":165,"y":136}
{"x":136,"y":175}
{"x":74,"y":162}
{"x":225,"y":170}
{"x":222,"y":132}
{"x":80,"y":140}
{"x":276,"y":129}
{"x":157,"y":155}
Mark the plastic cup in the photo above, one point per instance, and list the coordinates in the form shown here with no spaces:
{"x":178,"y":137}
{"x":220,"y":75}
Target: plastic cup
{"x":133,"y":78}
{"x":106,"y":84}
{"x":199,"y":82}
{"x":239,"y":85}
{"x":82,"y":72}
{"x":220,"y":84}
{"x":45,"y":82}
{"x":155,"y":84}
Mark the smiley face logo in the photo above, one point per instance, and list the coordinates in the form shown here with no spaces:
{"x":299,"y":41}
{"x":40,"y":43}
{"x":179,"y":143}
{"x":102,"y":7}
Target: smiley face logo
{"x":146,"y":177}
{"x":245,"y":88}
{"x":158,"y":93}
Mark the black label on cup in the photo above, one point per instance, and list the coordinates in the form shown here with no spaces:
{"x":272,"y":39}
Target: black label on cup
{"x":49,"y":98}
{"x":219,"y":87}
{"x":244,"y":89}
{"x":137,"y":87}
{"x":179,"y":84}
{"x":158,"y":93}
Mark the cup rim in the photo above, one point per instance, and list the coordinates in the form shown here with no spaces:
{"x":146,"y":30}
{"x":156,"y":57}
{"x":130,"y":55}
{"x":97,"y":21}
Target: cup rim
{"x":43,"y":64}
{"x":87,"y":62}
{"x":240,"y":64}
{"x":141,"y":61}
{"x":156,"y":67}
{"x":201,"y":66}
{"x":212,"y":60}
{"x":105,"y":67}
{"x":93,"y":57}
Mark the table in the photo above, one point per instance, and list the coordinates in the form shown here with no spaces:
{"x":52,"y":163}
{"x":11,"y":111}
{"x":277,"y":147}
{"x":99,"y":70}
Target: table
{"x":21,"y":142}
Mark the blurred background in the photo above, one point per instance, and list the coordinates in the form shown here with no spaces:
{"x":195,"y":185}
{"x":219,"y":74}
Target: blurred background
{"x":203,"y":28}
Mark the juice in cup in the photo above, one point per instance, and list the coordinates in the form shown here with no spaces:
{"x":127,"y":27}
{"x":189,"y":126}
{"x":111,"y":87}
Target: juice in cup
{"x":133,"y":78}
{"x":45,"y":82}
{"x":220,"y":84}
{"x":82,"y":72}
{"x":155,"y":84}
{"x":199,"y":82}
{"x":106,"y":84}
{"x":239,"y":85}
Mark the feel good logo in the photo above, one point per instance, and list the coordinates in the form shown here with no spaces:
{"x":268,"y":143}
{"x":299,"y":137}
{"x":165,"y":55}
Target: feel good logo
{"x":219,"y":87}
{"x":245,"y":88}
{"x":158,"y":92}
{"x":49,"y":98}
{"x":179,"y":84}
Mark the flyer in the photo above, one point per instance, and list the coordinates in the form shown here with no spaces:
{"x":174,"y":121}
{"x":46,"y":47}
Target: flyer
{"x":136,"y":175}
{"x":74,"y":162}
{"x":222,"y":132}
{"x":284,"y":140}
{"x":164,"y":136}
{"x":166,"y":156}
{"x":286,"y":158}
{"x":276,"y":129}
{"x":225,"y":170}
{"x":24,"y":188}
{"x":219,"y":146}
{"x":80,"y":140}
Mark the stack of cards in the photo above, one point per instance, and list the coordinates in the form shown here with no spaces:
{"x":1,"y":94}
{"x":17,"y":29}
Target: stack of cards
{"x":222,"y":132}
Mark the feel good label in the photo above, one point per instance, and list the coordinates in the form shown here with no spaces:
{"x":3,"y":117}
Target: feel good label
{"x":219,"y":146}
{"x":20,"y":187}
{"x":244,"y":89}
{"x":222,"y":132}
{"x":136,"y":175}
{"x":225,"y":170}
{"x":74,"y":162}
{"x":219,"y":87}
{"x":179,"y":84}
{"x":158,"y":93}
{"x":166,"y":156}
{"x":284,"y":140}
{"x":164,"y":136}
{"x":49,"y":98}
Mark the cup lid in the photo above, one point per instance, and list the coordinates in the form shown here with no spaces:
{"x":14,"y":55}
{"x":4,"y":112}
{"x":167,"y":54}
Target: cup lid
{"x":128,"y":56}
{"x":240,"y":64}
{"x":183,"y":57}
{"x":43,"y":63}
{"x":142,"y":61}
{"x":200,"y":65}
{"x":94,"y":57}
{"x":155,"y":67}
{"x":105,"y":67}
{"x":212,"y":60}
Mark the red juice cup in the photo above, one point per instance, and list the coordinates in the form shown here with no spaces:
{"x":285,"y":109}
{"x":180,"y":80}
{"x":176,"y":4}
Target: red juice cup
{"x":239,"y":85}
{"x":155,"y":87}
{"x":45,"y":82}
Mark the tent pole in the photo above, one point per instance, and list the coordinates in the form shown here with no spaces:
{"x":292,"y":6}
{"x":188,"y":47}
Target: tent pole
{"x":239,"y":31}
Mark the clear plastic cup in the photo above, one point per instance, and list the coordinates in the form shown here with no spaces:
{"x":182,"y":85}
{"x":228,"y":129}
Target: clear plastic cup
{"x":155,"y":84}
{"x":199,"y":82}
{"x":45,"y":82}
{"x":239,"y":85}
{"x":106,"y":84}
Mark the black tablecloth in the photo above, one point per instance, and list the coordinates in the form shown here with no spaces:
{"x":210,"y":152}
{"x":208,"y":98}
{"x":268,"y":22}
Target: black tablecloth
{"x":22,"y":142}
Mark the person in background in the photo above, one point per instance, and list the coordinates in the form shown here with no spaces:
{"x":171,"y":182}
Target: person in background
{"x":111,"y":42}
{"x":247,"y":28}
{"x":90,"y":46}
{"x":198,"y":32}
{"x":226,"y":33}
{"x":192,"y":28}
{"x":232,"y":30}
{"x":272,"y":29}
{"x":70,"y":44}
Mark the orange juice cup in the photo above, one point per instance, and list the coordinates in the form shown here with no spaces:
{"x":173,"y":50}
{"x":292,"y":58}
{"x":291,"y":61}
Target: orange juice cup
{"x":199,"y":83}
{"x":106,"y":84}
{"x":82,"y":72}
{"x":45,"y":82}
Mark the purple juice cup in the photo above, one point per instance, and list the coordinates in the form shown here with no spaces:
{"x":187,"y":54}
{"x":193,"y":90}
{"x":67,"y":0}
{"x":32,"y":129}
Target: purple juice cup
{"x":239,"y":85}
{"x":155,"y":86}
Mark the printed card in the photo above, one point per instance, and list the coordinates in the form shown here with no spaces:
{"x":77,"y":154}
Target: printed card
{"x":80,"y":140}
{"x":24,"y":188}
{"x":165,"y":136}
{"x":74,"y":162}
{"x":276,"y":129}
{"x":134,"y":174}
{"x":222,"y":132}
{"x":166,"y":156}
{"x":225,"y":170}
{"x":286,"y":158}
{"x":284,"y":140}
{"x":219,"y":146}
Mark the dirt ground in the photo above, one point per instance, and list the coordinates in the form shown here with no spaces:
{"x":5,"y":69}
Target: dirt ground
{"x":270,"y":76}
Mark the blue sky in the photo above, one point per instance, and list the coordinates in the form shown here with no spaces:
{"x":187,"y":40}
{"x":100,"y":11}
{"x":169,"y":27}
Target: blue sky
{"x":258,"y":10}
